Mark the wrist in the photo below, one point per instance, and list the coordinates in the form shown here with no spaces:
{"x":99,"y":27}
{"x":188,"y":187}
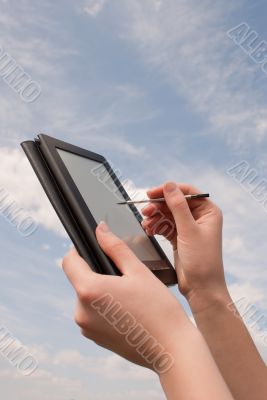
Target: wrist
{"x":203,"y":299}
{"x":172,"y":333}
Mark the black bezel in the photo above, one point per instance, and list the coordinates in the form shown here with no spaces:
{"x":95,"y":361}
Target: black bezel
{"x":48,"y":146}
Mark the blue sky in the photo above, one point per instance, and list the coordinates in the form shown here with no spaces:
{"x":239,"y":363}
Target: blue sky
{"x":161,"y":90}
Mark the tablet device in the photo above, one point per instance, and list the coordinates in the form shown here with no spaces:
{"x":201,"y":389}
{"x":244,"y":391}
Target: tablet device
{"x":84,"y":190}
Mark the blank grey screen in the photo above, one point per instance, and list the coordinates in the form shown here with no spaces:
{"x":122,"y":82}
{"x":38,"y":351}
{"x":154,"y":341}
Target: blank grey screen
{"x":101,"y":195}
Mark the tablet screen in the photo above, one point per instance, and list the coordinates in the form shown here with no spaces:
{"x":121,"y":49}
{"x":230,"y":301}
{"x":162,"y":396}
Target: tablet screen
{"x":101,"y":195}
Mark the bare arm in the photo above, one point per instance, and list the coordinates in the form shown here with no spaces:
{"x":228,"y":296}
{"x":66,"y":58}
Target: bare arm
{"x":195,"y":375}
{"x":197,"y":244}
{"x":117,"y":311}
{"x":231,"y":345}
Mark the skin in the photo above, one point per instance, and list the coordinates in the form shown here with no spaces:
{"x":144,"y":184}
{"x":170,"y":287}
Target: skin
{"x":197,"y":245}
{"x":193,"y":374}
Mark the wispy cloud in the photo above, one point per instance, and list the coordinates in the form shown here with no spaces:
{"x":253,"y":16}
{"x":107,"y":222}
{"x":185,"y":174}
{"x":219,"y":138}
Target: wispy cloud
{"x":112,"y":366}
{"x":94,"y":111}
{"x":106,"y":76}
{"x":94,"y":7}
{"x":24,"y":187}
{"x":181,"y":41}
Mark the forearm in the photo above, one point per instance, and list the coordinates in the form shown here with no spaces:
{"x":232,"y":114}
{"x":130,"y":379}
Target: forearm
{"x":194,"y":374}
{"x":231,"y":345}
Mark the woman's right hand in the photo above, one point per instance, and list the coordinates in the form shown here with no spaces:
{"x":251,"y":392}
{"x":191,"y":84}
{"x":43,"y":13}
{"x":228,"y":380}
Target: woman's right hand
{"x":194,"y":229}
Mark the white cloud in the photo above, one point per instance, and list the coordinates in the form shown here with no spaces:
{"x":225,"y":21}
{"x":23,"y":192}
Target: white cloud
{"x":45,"y":246}
{"x":252,"y":294}
{"x":59,"y":262}
{"x":50,"y":384}
{"x":55,"y":373}
{"x":94,"y":7}
{"x":18,"y":178}
{"x":111,"y":366}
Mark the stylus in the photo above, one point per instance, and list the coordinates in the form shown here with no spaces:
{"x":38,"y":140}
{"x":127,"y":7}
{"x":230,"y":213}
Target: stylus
{"x":162,"y":200}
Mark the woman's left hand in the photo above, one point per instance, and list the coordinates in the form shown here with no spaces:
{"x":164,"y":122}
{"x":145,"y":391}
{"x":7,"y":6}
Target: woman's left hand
{"x":121,"y":312}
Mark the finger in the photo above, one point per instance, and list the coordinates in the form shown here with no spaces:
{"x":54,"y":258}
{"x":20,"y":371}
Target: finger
{"x":149,"y":232}
{"x":151,"y":224}
{"x":77,"y":270}
{"x":117,"y":250}
{"x":148,"y":210}
{"x":197,"y":206}
{"x":155,"y":192}
{"x":158,"y":191}
{"x":155,"y":222}
{"x":178,"y":205}
{"x":155,"y":208}
{"x":156,"y":226}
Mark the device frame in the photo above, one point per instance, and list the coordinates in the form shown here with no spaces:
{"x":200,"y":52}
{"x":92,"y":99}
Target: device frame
{"x":85,"y":220}
{"x":57,"y":200}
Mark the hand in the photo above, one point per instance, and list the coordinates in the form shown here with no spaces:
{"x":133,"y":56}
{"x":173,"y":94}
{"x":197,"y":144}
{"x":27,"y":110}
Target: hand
{"x":110,"y":307}
{"x":194,"y":229}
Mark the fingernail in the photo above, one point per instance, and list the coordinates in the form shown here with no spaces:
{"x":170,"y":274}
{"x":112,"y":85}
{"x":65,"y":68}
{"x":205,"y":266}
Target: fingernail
{"x":170,"y":187}
{"x":103,"y":227}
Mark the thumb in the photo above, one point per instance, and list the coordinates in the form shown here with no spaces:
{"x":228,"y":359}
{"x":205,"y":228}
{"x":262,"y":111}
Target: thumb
{"x":179,"y":208}
{"x":117,"y":250}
